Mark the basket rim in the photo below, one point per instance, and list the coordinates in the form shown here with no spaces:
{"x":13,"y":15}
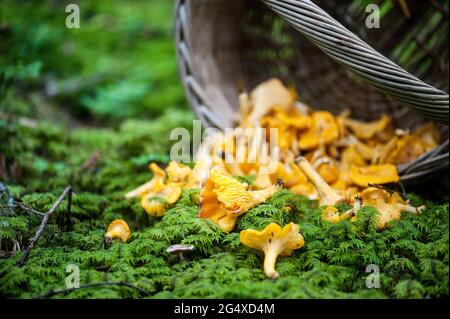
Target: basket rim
{"x":410,"y":173}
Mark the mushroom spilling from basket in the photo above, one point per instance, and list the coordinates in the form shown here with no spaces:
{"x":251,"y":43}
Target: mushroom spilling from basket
{"x":329,"y":158}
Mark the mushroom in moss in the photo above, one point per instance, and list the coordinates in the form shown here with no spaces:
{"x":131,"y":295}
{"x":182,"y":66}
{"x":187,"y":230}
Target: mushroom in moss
{"x":273,"y":241}
{"x":389,"y":205}
{"x":178,"y":173}
{"x":117,"y":229}
{"x":156,"y":201}
{"x":158,"y":176}
{"x":224,"y":199}
{"x":327,"y":195}
{"x":374,"y":174}
{"x":180,"y":250}
{"x":331,"y":214}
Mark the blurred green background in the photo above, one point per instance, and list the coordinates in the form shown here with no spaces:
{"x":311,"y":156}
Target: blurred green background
{"x":119,"y":64}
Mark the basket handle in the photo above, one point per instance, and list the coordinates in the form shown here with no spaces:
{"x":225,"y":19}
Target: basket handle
{"x":346,"y":48}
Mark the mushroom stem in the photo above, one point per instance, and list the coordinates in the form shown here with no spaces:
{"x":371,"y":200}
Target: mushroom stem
{"x":411,"y":209}
{"x":108,"y":239}
{"x":270,"y":259}
{"x":354,"y":210}
{"x":141,"y":189}
{"x":328,"y":196}
{"x":110,"y":235}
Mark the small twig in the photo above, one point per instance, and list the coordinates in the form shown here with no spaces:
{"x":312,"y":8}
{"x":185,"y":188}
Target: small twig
{"x":41,"y":228}
{"x":440,"y":7}
{"x":96,"y":284}
{"x":28,"y":209}
{"x":68,"y":221}
{"x":91,"y":161}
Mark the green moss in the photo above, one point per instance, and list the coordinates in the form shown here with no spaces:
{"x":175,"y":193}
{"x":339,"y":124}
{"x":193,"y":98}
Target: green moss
{"x":412,"y":254}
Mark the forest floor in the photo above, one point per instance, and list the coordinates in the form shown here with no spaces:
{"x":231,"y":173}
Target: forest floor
{"x":91,"y":109}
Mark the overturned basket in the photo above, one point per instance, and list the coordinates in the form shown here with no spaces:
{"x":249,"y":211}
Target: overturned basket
{"x":227,"y":46}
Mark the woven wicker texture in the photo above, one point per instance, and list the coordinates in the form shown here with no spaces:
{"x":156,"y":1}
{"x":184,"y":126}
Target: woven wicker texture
{"x":227,"y":46}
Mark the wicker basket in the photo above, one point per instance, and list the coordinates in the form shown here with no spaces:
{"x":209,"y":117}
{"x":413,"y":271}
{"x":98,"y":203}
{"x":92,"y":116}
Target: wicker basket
{"x":227,"y":46}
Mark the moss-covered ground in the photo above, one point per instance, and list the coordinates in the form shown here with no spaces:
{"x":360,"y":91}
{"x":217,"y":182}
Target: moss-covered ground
{"x":412,"y":254}
{"x":91,"y":108}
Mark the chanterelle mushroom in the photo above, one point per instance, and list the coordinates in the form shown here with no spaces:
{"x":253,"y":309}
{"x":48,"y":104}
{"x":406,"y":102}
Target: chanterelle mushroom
{"x":327,"y":195}
{"x":178,"y":173}
{"x":366,"y":131}
{"x":388,"y":205}
{"x":323,"y":130}
{"x":273,"y":241}
{"x":158,"y":176}
{"x":117,"y":229}
{"x":268,"y":95}
{"x":374,"y":174}
{"x":224,"y":198}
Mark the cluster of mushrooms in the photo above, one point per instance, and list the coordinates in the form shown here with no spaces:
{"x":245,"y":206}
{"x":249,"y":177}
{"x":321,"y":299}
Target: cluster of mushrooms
{"x":332,"y":159}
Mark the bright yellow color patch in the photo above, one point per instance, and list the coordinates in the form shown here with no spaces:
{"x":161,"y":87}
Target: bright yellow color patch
{"x":273,"y":241}
{"x":224,"y":199}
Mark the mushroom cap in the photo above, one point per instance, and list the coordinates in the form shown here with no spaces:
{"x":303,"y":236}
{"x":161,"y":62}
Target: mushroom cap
{"x":224,"y":198}
{"x":158,"y":177}
{"x":118,"y":229}
{"x":324,"y":130}
{"x":429,"y":135}
{"x":284,"y":240}
{"x":331,"y":214}
{"x":405,"y":149}
{"x":287,"y":123}
{"x":350,"y":156}
{"x":230,"y":192}
{"x":267,"y":95}
{"x":290,"y":173}
{"x":153,"y":205}
{"x":328,"y":171}
{"x":179,"y":248}
{"x":155,"y":202}
{"x":366,"y":131}
{"x":199,"y":172}
{"x":374,"y":174}
{"x":389,"y":205}
{"x":177,"y":172}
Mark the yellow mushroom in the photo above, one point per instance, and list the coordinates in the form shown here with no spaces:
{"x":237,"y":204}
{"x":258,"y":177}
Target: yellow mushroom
{"x":327,"y":195}
{"x":388,"y":205}
{"x":156,"y":201}
{"x":287,"y":123}
{"x":326,"y":168}
{"x":224,"y":199}
{"x":365,"y":151}
{"x":117,"y":229}
{"x":323,"y":130}
{"x":366,"y":131}
{"x":429,"y":135}
{"x":331,"y":214}
{"x":406,"y":147}
{"x":268,"y":95}
{"x":178,"y":173}
{"x":374,"y":174}
{"x":158,"y":176}
{"x":273,"y":241}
